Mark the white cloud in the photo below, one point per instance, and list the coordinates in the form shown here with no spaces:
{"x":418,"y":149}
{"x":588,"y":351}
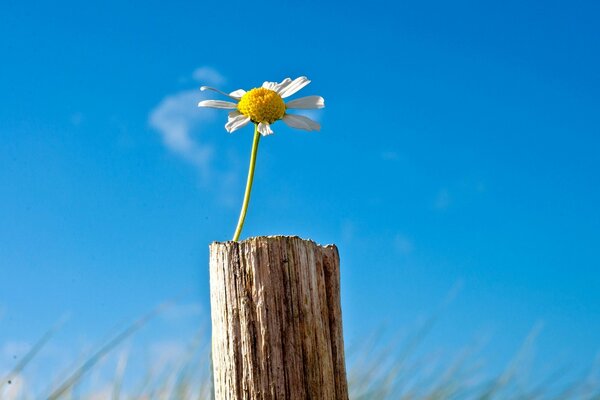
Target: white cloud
{"x":180,"y":123}
{"x":174,"y":118}
{"x":208,"y":75}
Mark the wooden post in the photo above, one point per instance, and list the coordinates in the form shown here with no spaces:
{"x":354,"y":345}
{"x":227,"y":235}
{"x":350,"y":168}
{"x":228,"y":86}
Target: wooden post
{"x":276,"y":320}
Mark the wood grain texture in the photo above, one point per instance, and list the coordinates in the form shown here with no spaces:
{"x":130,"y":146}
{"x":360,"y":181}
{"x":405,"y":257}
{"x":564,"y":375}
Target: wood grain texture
{"x":276,"y":320}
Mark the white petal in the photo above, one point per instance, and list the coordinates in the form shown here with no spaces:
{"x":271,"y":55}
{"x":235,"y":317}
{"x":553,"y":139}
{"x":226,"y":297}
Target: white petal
{"x":277,"y":87}
{"x":269,"y":85}
{"x":230,"y":95}
{"x":235,"y":121}
{"x":293,"y":87}
{"x":233,"y":114}
{"x":227,"y":105}
{"x":237,"y":94}
{"x":301,"y":122}
{"x":264,"y":129}
{"x":307,"y":102}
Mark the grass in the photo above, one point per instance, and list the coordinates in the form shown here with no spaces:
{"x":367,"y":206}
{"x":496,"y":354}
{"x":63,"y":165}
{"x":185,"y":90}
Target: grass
{"x":396,"y":371}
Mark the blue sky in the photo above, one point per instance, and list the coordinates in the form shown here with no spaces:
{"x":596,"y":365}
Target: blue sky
{"x":458,"y":154}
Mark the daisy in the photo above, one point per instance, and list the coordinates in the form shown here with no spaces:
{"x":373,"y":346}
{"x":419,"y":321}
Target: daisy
{"x":264,"y":105}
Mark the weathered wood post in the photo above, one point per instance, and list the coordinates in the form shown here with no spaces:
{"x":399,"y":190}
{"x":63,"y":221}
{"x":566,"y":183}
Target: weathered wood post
{"x":276,"y":320}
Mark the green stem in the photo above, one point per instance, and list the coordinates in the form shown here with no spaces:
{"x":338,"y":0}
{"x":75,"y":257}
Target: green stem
{"x":240,"y":223}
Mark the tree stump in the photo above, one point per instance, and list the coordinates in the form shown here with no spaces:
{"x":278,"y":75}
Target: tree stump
{"x":276,"y":320}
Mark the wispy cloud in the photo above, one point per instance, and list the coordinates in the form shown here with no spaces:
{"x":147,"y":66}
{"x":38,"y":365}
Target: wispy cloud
{"x":208,"y":75}
{"x":180,"y":123}
{"x":174,"y":118}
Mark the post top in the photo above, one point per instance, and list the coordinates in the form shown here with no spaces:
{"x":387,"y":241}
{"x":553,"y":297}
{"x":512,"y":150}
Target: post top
{"x":272,"y":238}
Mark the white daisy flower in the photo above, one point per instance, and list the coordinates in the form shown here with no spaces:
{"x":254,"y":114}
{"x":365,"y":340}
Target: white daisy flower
{"x":263,"y":106}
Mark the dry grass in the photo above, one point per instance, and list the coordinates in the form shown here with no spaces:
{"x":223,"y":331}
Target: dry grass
{"x":398,"y":371}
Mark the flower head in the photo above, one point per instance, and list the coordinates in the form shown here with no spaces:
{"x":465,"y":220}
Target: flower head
{"x":264,"y":105}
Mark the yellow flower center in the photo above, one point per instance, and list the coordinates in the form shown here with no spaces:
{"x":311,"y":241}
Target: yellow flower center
{"x":262,"y":105}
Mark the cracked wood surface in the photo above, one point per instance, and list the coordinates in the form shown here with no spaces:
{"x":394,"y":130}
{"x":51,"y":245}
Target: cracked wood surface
{"x":276,"y":320}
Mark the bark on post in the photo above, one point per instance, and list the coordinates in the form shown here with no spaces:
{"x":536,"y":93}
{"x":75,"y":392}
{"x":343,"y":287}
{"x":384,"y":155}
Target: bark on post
{"x":276,"y":320}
